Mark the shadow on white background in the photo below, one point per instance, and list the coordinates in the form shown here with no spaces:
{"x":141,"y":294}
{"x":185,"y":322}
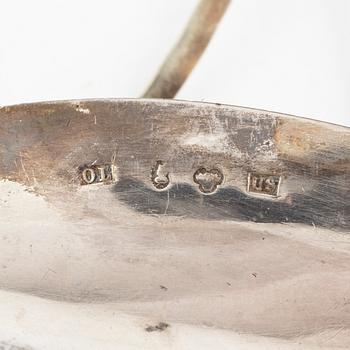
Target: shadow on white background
{"x":286,"y":56}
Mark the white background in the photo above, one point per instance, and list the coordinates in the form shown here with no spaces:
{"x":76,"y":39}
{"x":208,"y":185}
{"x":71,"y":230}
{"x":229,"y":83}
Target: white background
{"x":290,"y":56}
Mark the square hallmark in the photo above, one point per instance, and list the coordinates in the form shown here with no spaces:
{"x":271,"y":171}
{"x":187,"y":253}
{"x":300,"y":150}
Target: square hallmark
{"x":264,"y":184}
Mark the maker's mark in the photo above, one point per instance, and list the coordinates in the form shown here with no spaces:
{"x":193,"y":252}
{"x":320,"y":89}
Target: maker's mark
{"x":98,"y":174}
{"x":208,"y":180}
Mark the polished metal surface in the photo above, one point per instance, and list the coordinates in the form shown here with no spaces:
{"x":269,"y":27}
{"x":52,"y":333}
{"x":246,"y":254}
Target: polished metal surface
{"x":180,"y":212}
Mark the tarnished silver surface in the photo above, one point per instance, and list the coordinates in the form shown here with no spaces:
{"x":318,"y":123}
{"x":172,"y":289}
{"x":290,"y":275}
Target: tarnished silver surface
{"x":182,"y":213}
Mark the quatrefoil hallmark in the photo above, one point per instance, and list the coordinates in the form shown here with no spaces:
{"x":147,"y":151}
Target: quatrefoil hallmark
{"x":208,"y":180}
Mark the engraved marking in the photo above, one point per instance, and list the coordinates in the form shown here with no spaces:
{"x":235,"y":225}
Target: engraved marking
{"x":160,"y":179}
{"x":103,"y":176}
{"x":89,"y":175}
{"x":98,"y":173}
{"x":264,"y":184}
{"x":208,"y":180}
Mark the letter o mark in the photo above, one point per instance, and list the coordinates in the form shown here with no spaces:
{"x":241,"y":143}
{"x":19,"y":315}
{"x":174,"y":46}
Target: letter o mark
{"x":89,"y":175}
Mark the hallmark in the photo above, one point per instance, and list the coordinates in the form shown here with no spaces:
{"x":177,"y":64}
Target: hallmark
{"x":98,"y":174}
{"x":208,"y":180}
{"x":264,"y":184}
{"x":160,"y":179}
